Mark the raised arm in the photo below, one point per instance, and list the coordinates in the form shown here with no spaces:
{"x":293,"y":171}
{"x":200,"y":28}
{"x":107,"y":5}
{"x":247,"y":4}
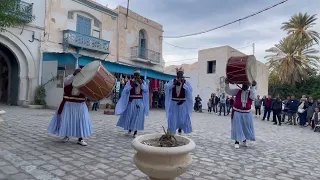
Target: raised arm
{"x":253,"y":90}
{"x":229,"y":91}
{"x":145,"y":87}
{"x":68,"y":80}
{"x":169,"y":85}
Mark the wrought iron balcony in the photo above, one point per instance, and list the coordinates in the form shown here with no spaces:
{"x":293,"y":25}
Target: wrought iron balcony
{"x":81,"y":41}
{"x":22,"y":10}
{"x":145,"y":55}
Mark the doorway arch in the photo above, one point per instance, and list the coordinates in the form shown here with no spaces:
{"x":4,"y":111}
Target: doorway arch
{"x":23,"y":72}
{"x":9,"y":77}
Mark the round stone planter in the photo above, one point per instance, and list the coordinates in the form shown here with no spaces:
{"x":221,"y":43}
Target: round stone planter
{"x":162,"y":163}
{"x":33,"y":106}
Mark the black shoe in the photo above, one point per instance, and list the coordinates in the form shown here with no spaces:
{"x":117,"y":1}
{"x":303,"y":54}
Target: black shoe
{"x":279,"y":124}
{"x":274,"y":123}
{"x":262,"y":119}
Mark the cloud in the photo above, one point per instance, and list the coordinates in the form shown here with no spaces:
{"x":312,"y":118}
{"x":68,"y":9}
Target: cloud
{"x":180,"y":17}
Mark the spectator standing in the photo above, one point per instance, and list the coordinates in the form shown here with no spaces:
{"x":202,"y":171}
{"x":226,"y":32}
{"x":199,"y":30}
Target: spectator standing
{"x":215,"y":102}
{"x":209,"y":105}
{"x":227,"y":103}
{"x":258,"y":104}
{"x":285,"y":109}
{"x":293,"y":105}
{"x":223,"y":99}
{"x":315,"y":117}
{"x":302,"y":113}
{"x":318,"y":103}
{"x":276,"y":107}
{"x":231,"y":103}
{"x":311,"y":108}
{"x":267,"y":108}
{"x":95,"y":106}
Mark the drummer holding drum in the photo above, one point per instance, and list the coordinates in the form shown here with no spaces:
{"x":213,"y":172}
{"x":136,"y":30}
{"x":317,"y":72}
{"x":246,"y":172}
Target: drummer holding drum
{"x":72,"y":118}
{"x":242,"y":70}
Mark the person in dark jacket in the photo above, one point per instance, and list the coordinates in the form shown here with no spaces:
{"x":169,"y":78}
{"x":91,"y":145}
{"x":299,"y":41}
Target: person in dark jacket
{"x":231,"y":103}
{"x":311,"y":108}
{"x":267,"y":108}
{"x":293,"y":105}
{"x":276,"y":107}
{"x":215,"y":102}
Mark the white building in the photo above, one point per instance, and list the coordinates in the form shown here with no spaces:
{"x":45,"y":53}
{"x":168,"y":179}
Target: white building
{"x":81,"y":31}
{"x":20,"y":55}
{"x":205,"y":75}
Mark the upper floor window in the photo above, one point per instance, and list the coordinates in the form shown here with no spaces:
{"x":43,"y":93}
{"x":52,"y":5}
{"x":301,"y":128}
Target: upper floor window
{"x":142,"y":44}
{"x":83,"y":25}
{"x":211,"y":67}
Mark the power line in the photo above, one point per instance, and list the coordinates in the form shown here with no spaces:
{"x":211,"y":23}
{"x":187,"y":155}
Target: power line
{"x":180,"y":46}
{"x":197,"y":49}
{"x":246,"y":17}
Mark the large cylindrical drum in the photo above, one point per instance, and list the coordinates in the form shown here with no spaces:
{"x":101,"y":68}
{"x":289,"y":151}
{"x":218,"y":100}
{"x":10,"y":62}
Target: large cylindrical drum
{"x":241,"y":69}
{"x":95,"y":81}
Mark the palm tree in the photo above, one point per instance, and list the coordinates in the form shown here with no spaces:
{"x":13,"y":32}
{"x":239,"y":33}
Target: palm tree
{"x":288,"y":65}
{"x":299,"y":26}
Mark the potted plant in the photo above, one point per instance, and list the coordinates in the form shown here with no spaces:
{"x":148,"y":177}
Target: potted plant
{"x":163,"y":156}
{"x":39,"y":98}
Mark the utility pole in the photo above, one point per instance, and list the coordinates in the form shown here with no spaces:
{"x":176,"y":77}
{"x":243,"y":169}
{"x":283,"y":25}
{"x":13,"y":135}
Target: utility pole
{"x":252,"y":48}
{"x":127,"y":14}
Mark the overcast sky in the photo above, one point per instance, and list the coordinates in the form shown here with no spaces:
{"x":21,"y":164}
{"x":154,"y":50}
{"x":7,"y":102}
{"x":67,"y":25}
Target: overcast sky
{"x":180,"y":17}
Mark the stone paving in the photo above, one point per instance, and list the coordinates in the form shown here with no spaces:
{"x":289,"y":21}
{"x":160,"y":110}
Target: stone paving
{"x":28,"y":152}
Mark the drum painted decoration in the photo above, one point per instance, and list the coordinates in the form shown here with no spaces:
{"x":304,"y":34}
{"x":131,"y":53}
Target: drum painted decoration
{"x":241,"y":69}
{"x":95,"y":81}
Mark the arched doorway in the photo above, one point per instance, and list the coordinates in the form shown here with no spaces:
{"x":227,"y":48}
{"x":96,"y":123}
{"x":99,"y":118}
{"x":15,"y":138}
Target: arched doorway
{"x":142,"y":44}
{"x":9,"y":77}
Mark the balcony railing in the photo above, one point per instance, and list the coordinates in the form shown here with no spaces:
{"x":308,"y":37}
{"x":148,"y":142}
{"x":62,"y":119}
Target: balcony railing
{"x":77,"y":40}
{"x":142,"y":54}
{"x":23,"y":11}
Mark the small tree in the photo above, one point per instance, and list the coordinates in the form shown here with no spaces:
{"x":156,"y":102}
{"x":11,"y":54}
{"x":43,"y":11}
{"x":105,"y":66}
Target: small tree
{"x":14,"y":13}
{"x":40,"y":96}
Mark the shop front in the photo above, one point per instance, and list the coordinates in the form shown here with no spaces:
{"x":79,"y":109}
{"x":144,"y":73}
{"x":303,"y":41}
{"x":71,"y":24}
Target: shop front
{"x":62,"y":64}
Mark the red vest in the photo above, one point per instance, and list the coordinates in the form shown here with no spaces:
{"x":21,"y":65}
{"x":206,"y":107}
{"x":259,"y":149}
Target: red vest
{"x":238,"y":103}
{"x":182,"y":95}
{"x":68,"y":97}
{"x":133,"y":94}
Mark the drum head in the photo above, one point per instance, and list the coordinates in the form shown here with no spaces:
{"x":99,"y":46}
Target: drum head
{"x":86,"y":74}
{"x":251,"y":70}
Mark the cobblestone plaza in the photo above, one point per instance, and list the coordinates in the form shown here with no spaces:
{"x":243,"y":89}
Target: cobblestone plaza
{"x":28,"y":152}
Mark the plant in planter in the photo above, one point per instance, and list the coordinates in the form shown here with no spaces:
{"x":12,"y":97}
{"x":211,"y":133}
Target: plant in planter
{"x":40,"y":96}
{"x":163,"y":156}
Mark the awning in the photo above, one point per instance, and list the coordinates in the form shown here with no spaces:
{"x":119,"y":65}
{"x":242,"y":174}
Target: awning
{"x":126,"y":69}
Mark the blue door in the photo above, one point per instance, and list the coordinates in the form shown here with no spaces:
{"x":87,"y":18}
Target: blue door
{"x":142,"y":45}
{"x":83,"y":25}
